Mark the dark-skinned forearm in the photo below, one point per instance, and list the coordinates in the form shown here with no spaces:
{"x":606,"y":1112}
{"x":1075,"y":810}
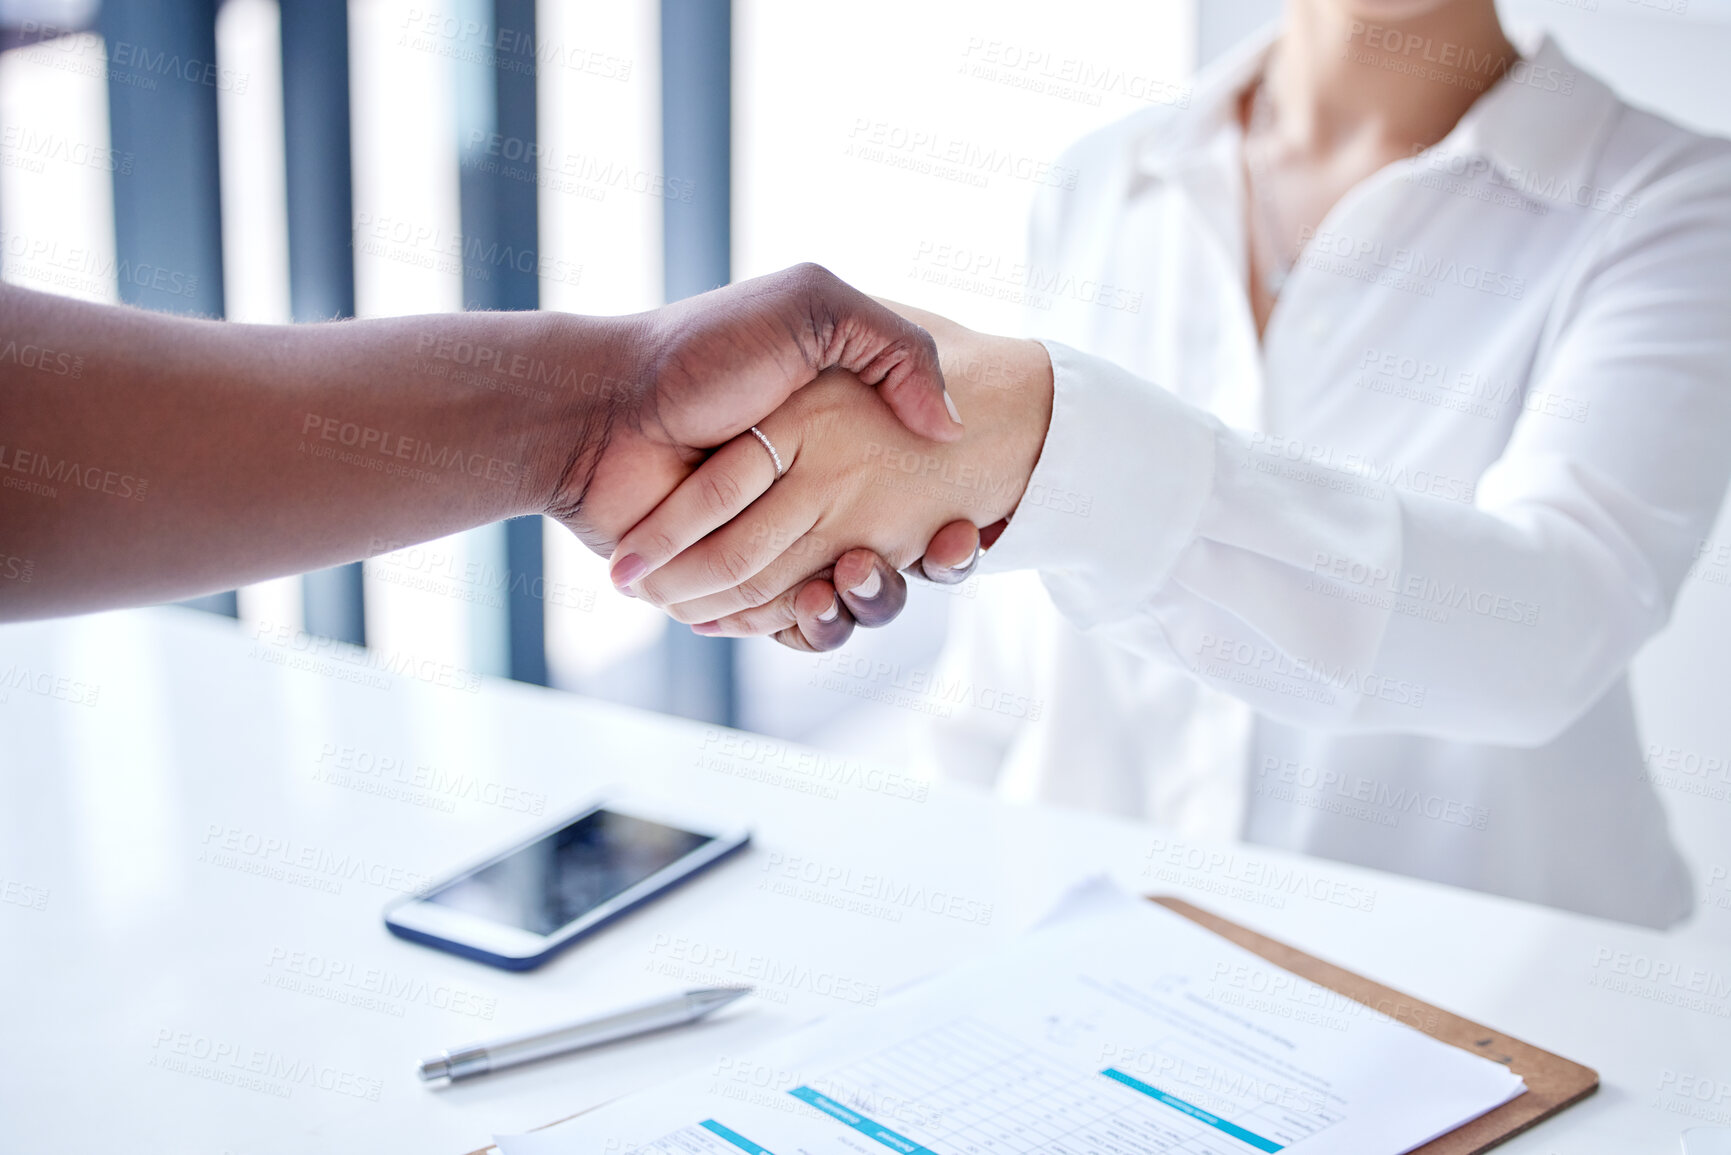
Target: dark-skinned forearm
{"x":145,"y":457}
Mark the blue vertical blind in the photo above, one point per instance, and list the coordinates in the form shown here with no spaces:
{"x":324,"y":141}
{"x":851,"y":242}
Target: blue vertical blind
{"x":499,"y":209}
{"x":315,"y":82}
{"x":168,"y":212}
{"x":697,"y":150}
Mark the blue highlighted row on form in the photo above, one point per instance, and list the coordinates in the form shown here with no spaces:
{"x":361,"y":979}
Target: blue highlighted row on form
{"x":1193,"y":1111}
{"x":860,"y":1123}
{"x":901,"y":1143}
{"x":735,"y":1138}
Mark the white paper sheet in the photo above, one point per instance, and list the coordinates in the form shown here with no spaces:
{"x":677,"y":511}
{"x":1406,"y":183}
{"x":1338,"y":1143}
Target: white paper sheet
{"x":1115,"y":1026}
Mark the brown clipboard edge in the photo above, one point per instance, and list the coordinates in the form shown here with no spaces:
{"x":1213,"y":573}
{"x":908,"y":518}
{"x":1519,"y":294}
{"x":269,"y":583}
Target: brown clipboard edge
{"x":1553,"y":1082}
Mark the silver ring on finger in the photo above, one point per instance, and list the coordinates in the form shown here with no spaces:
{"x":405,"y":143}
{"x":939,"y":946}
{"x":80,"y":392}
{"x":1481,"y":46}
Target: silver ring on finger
{"x":773,"y":455}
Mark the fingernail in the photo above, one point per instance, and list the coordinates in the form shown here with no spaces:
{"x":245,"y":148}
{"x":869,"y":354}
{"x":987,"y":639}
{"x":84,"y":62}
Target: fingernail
{"x":707,"y":629}
{"x":949,"y":574}
{"x":833,"y":612}
{"x":628,"y":569}
{"x":870,"y":588}
{"x":950,"y":404}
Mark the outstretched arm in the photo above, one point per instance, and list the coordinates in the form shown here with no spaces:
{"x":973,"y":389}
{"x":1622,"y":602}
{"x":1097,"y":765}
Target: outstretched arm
{"x":146,"y":457}
{"x":1343,"y":591}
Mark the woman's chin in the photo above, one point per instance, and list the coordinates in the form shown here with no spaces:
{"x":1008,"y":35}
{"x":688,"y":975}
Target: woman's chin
{"x":1391,"y":11}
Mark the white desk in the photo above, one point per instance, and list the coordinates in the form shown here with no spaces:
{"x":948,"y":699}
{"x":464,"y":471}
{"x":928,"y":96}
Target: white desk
{"x":193,"y":960}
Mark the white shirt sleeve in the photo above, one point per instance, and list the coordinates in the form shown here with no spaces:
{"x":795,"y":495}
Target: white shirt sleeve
{"x":1325,"y":601}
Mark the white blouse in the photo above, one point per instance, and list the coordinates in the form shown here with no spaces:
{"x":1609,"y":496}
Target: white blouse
{"x":1369,"y":589}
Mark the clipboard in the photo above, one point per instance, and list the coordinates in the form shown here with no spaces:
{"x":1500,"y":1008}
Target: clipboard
{"x":1553,"y":1082}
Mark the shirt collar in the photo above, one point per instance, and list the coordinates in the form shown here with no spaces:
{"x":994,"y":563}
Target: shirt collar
{"x":1542,"y":124}
{"x":1169,"y":143}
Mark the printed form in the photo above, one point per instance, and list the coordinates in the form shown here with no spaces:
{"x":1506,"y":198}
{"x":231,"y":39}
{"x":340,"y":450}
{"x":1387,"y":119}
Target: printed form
{"x":1114,"y":1028}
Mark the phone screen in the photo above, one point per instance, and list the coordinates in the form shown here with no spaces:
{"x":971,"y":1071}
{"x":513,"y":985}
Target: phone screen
{"x":557,"y":880}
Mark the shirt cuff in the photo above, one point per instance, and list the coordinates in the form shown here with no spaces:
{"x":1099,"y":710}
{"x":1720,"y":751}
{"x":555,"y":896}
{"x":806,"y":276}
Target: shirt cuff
{"x":1117,"y":494}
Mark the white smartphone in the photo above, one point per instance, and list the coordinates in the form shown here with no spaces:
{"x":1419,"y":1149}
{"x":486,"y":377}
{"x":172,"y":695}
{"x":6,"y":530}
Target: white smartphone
{"x":520,"y":907}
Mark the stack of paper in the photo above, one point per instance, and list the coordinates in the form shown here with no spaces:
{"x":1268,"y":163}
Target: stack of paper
{"x":1115,"y":1028}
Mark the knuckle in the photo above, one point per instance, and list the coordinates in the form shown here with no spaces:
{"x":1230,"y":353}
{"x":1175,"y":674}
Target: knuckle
{"x":751,"y":592}
{"x":728,"y":565}
{"x":657,"y":545}
{"x":719,"y":492}
{"x":812,"y":275}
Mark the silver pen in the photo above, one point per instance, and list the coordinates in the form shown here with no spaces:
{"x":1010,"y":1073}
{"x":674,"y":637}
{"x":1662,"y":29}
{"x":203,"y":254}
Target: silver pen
{"x":479,"y":1058}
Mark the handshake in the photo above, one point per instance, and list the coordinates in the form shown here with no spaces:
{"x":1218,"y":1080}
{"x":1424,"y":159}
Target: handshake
{"x":742,"y":455}
{"x":793,"y":447}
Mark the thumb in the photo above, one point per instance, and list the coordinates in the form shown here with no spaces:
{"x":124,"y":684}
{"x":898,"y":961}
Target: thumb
{"x":908,"y":377}
{"x":889,"y":351}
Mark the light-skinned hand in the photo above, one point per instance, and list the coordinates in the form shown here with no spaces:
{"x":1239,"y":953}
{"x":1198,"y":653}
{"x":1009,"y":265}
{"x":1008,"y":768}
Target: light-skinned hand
{"x":729,"y":550}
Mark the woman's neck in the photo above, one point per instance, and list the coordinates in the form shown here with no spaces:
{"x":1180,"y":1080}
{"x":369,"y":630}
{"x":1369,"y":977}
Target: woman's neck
{"x":1339,"y":81}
